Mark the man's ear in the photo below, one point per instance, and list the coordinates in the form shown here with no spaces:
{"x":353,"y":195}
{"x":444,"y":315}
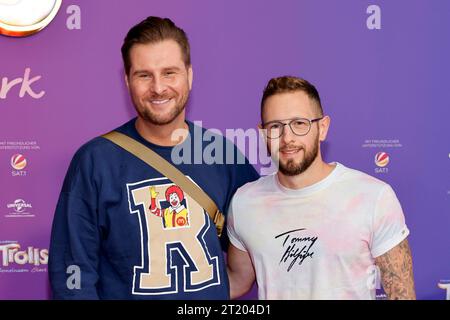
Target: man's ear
{"x":324,"y":125}
{"x":127,"y":81}
{"x":190,"y":76}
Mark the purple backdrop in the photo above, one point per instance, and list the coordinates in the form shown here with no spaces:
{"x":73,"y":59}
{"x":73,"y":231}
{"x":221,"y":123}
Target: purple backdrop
{"x":385,"y":90}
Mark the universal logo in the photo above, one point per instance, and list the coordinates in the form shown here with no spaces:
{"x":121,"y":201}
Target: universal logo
{"x":20,"y":208}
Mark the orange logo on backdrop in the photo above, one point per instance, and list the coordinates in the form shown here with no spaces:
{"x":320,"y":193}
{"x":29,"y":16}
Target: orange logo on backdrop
{"x":20,"y":18}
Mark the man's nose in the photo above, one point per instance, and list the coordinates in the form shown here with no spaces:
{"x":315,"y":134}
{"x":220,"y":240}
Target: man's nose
{"x":158,"y":86}
{"x":287,"y":135}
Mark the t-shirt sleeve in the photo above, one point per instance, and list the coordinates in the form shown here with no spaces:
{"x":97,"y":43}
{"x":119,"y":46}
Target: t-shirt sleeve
{"x":388,"y":224}
{"x":231,"y":228}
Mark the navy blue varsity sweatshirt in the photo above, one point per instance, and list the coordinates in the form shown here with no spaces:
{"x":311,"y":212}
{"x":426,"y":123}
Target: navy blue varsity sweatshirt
{"x":122,"y":230}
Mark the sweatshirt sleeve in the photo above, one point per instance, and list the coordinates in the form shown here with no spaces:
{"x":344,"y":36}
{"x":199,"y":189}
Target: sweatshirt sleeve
{"x":75,"y":236}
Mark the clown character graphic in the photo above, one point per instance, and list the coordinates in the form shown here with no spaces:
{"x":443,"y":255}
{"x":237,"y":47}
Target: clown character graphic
{"x":175,"y":215}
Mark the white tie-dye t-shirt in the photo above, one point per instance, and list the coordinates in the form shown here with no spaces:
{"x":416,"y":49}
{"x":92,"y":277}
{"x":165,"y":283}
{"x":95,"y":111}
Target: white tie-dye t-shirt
{"x":318,"y":242}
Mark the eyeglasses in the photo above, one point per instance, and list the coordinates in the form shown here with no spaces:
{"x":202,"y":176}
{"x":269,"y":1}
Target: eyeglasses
{"x":299,"y":126}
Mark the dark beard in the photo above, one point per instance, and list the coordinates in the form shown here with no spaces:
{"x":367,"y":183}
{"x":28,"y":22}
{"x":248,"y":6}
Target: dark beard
{"x":293,"y":169}
{"x":156,"y":120}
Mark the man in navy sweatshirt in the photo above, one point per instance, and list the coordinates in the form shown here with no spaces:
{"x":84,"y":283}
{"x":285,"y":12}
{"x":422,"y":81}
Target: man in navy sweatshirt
{"x":122,"y":230}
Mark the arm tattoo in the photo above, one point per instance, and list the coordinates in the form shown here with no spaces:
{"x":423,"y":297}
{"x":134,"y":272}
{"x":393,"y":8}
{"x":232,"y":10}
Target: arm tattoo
{"x":397,"y":272}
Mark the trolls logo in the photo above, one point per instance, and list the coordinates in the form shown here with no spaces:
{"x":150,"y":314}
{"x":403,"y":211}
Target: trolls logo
{"x":11,"y":254}
{"x":20,"y":18}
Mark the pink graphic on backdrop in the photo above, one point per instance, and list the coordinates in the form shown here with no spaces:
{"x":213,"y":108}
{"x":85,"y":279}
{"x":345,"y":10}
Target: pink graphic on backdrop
{"x":18,"y":162}
{"x":25,"y":86}
{"x":381,"y":159}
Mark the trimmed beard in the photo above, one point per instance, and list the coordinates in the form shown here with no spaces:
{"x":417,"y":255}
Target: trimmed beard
{"x":290,"y":168}
{"x":155,"y":119}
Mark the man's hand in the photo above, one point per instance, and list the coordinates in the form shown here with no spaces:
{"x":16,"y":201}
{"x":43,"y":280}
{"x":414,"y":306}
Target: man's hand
{"x":240,"y":271}
{"x":153,"y":192}
{"x":397,"y":272}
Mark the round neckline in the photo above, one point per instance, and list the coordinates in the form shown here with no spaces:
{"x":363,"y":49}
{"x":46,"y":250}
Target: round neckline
{"x":157,"y":146}
{"x":306,"y":191}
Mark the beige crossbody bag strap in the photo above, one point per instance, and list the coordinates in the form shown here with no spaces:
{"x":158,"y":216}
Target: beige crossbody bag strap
{"x":167,"y":169}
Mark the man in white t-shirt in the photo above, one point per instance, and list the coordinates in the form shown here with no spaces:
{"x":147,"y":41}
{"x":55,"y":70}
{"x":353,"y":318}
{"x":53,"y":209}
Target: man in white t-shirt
{"x":314,"y":230}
